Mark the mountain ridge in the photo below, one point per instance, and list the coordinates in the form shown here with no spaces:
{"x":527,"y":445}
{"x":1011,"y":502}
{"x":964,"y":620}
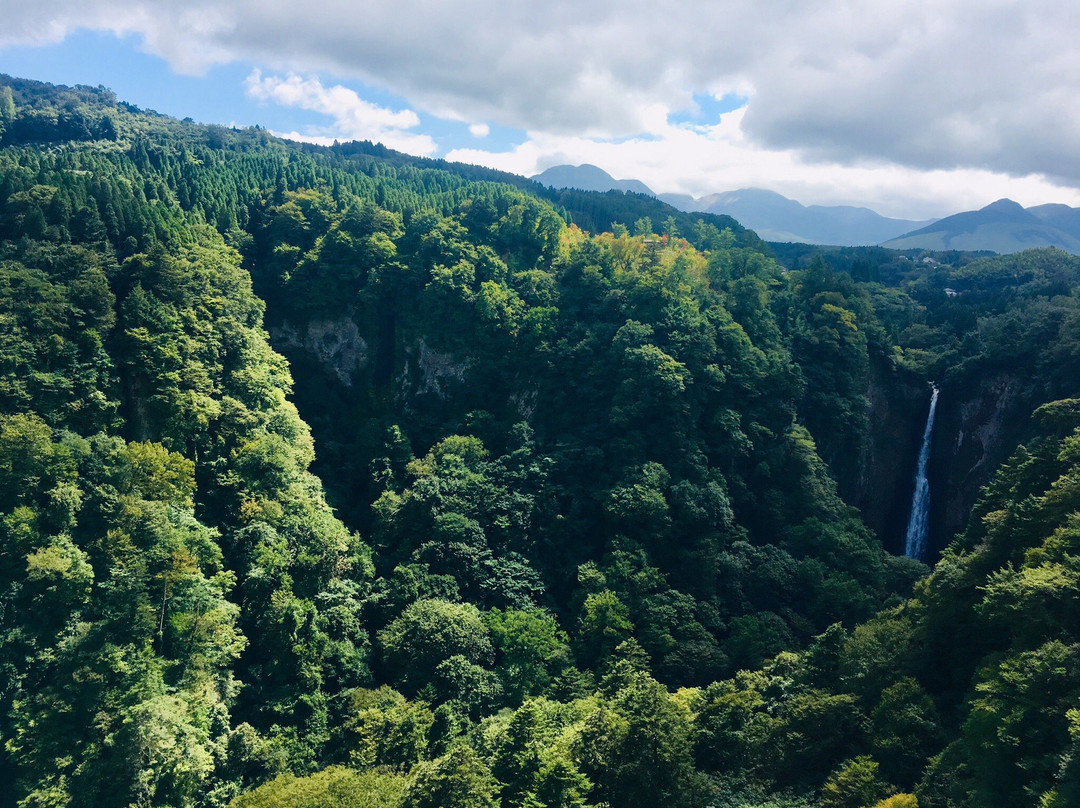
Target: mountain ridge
{"x":521,"y":514}
{"x":587,"y":177}
{"x":771,"y":215}
{"x":1003,"y":226}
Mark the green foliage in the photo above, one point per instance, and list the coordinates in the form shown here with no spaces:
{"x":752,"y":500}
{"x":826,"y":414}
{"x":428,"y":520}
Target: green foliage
{"x":382,"y":728}
{"x":333,"y":787}
{"x":854,"y":785}
{"x":607,"y":479}
{"x":459,"y":779}
{"x":604,"y":625}
{"x":638,"y":748}
{"x":899,"y":801}
{"x":426,"y":636}
{"x":531,"y":650}
{"x":907,"y":730}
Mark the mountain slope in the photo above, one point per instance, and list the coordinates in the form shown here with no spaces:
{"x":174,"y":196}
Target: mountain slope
{"x":771,"y":215}
{"x":588,"y":177}
{"x":573,"y":455}
{"x":777,"y":218}
{"x":594,"y":211}
{"x":1063,"y":217}
{"x":599,"y":477}
{"x":1002,"y":227}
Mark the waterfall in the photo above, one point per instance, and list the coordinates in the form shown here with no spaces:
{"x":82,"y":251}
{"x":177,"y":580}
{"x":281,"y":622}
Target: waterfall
{"x":915,"y":542}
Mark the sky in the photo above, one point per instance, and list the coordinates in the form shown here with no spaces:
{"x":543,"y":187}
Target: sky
{"x":912,"y":108}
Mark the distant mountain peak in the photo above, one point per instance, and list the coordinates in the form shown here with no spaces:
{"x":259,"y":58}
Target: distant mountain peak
{"x":1004,"y":204}
{"x":1003,"y":226}
{"x":587,"y":170}
{"x":743,"y":194}
{"x":587,"y":177}
{"x":775,"y":217}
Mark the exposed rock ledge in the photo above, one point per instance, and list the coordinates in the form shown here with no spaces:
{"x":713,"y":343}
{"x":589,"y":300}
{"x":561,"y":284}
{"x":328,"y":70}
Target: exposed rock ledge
{"x":433,"y":369}
{"x":335,"y":344}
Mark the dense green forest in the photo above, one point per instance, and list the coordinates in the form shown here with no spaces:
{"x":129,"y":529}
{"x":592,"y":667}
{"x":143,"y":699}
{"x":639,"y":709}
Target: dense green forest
{"x":337,"y":477}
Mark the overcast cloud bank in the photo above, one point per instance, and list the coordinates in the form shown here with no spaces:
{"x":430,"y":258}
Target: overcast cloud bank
{"x":982,"y":94}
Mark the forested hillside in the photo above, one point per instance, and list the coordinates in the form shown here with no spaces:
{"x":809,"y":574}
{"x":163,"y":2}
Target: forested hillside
{"x":332,"y":476}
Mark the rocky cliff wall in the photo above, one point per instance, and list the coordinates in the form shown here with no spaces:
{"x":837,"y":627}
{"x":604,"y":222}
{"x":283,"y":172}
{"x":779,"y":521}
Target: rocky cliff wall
{"x":882,"y":489}
{"x":980,"y":423}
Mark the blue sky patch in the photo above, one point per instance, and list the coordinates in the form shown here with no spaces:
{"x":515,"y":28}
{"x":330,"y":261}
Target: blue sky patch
{"x":709,"y":109}
{"x":101,"y":58}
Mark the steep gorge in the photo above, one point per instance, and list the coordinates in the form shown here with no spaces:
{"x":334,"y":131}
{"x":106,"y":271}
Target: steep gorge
{"x":979,"y":426}
{"x":601,"y":558}
{"x":882,"y":490}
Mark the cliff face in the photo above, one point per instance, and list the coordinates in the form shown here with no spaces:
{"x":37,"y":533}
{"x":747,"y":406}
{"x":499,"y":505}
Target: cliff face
{"x":339,"y":350}
{"x":356,"y":375}
{"x":336,"y":345}
{"x":426,"y":371}
{"x":882,"y":490}
{"x":979,"y":422}
{"x":979,"y":425}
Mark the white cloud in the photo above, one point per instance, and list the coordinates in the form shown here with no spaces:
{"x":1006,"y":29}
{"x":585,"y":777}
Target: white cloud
{"x":990,"y":87}
{"x":479,"y":130}
{"x":353,"y":117}
{"x":699,"y":160}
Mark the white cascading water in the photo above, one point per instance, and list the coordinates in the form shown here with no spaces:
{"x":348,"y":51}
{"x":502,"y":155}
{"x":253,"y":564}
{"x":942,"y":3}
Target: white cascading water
{"x":915,"y":541}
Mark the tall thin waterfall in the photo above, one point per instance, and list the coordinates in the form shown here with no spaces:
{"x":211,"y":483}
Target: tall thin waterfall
{"x":915,"y":543}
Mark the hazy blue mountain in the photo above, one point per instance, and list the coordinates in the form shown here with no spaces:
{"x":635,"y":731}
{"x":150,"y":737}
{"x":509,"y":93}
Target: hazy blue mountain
{"x":1003,"y":227}
{"x":683,"y":202}
{"x":588,"y":177}
{"x":1060,"y":216}
{"x":776,"y":218}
